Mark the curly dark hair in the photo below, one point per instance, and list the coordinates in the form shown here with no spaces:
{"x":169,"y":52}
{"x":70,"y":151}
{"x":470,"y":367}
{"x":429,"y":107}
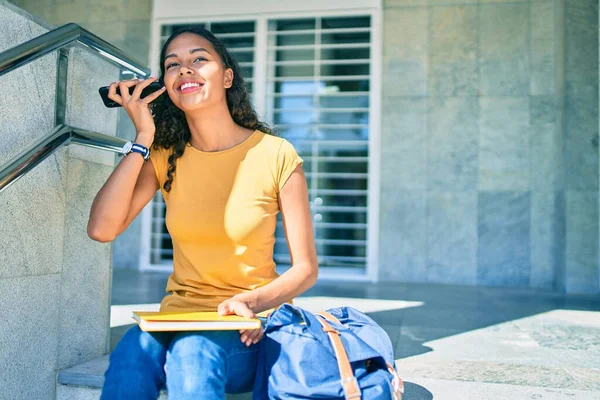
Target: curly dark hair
{"x":172,"y":130}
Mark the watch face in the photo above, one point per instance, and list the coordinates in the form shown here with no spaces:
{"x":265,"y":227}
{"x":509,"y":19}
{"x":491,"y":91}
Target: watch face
{"x":127,"y":147}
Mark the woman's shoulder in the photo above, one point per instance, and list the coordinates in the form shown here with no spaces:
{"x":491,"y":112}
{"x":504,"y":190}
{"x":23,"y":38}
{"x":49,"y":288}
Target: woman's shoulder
{"x":282,"y":158}
{"x":274,"y":144}
{"x":270,"y":139}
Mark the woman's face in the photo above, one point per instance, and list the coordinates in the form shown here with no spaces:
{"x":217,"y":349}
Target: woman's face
{"x":194,"y":74}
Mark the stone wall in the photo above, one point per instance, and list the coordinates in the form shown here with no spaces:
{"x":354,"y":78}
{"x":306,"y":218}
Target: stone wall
{"x":489,"y":175}
{"x":125,"y":24}
{"x":581,"y":150}
{"x":54,"y":280}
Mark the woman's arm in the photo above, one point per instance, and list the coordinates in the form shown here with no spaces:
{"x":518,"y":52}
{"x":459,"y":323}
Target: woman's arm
{"x":129,"y":188}
{"x":297,"y":223}
{"x":133,"y":183}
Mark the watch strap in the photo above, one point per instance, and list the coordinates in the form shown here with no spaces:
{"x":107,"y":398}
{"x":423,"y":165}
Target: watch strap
{"x":138,"y":148}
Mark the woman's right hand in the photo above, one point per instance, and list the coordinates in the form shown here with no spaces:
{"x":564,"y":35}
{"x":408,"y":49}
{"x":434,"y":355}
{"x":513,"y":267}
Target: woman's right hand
{"x":137,"y":109}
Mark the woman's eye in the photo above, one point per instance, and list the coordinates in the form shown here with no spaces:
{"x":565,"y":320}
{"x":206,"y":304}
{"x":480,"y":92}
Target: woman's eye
{"x":174,"y":63}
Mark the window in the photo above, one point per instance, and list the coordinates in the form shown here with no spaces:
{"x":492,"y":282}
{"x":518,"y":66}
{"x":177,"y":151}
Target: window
{"x":315,"y":90}
{"x":318,"y":98}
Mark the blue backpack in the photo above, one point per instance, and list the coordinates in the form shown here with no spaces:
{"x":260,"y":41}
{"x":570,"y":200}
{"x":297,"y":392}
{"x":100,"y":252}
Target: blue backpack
{"x":340,"y":354}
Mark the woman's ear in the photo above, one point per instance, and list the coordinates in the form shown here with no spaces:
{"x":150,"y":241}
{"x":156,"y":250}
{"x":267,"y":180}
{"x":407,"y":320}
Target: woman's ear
{"x":228,"y":78}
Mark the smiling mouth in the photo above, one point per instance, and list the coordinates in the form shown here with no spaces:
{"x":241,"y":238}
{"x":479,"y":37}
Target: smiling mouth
{"x":189,"y":87}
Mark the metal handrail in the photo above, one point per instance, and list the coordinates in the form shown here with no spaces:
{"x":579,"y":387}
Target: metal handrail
{"x":37,"y":47}
{"x":62,"y":134}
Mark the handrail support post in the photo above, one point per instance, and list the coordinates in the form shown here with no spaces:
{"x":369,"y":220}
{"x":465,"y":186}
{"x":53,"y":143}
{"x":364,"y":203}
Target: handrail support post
{"x":62,"y":70}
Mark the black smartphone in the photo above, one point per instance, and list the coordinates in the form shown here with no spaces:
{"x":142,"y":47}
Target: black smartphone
{"x":151,"y":88}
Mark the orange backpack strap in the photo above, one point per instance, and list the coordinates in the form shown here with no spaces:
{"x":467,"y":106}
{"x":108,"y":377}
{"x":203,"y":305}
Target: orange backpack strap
{"x":349,"y":382}
{"x":329,"y":317}
{"x":397,"y":383}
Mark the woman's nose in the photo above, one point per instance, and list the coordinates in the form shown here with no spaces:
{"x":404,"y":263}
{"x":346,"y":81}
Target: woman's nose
{"x":185,"y":70}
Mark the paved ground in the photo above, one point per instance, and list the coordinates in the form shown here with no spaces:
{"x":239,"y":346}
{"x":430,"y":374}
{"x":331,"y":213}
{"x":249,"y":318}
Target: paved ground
{"x":452,"y":342}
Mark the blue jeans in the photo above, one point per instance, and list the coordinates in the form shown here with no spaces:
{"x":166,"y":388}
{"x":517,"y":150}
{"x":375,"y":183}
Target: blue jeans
{"x":198,"y":365}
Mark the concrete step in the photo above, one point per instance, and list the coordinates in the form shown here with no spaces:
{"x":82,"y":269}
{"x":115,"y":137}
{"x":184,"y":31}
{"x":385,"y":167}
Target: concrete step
{"x":84,"y":381}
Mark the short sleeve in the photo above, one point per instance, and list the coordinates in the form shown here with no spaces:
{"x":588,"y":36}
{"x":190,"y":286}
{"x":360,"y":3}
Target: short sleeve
{"x":287,"y":161}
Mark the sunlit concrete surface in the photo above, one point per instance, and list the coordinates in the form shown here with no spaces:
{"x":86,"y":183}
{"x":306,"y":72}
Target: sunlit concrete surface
{"x":451,"y":342}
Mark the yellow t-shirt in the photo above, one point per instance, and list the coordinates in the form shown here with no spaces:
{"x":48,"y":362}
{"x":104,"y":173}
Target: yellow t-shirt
{"x":221,"y":215}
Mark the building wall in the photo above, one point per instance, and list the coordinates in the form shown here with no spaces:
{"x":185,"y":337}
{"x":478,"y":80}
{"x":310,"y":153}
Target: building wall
{"x":489,"y":140}
{"x":125,"y":24}
{"x":54,"y":280}
{"x":488,"y":172}
{"x":581,"y":138}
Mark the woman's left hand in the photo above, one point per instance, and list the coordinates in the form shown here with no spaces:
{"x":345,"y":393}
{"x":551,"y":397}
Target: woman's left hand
{"x":237,"y":307}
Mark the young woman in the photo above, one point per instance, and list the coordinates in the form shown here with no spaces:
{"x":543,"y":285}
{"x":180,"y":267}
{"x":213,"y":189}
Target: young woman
{"x":224,"y":178}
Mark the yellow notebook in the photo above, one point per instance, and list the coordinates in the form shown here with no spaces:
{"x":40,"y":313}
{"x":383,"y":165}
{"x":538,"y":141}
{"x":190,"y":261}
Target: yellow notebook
{"x":154,"y":321}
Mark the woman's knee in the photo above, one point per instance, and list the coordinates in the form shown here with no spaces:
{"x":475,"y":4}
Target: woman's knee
{"x":206,"y":344}
{"x":196,"y":363}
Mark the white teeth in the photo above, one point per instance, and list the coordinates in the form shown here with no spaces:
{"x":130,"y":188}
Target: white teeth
{"x":189,"y":84}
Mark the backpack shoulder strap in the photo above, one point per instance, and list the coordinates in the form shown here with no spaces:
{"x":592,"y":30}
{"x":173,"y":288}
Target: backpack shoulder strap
{"x":349,"y":382}
{"x":329,"y":317}
{"x":397,"y":383}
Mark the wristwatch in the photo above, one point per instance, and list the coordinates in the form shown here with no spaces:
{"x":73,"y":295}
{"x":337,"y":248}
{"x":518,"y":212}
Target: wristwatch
{"x":131,"y":147}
